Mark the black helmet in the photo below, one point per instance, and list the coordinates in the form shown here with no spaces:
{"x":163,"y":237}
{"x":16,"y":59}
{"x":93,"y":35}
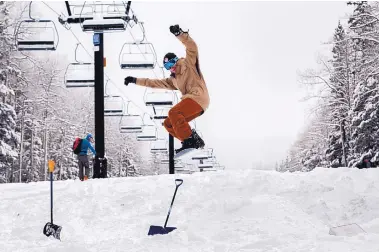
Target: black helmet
{"x":169,"y":56}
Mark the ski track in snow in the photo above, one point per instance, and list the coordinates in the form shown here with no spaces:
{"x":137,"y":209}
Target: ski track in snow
{"x":244,"y":210}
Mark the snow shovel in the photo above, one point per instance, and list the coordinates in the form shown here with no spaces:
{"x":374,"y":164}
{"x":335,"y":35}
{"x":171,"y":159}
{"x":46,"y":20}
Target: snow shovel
{"x":51,"y":228}
{"x":165,"y":230}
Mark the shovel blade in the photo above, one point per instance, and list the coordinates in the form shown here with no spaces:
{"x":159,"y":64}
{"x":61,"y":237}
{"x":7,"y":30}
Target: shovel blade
{"x":52,"y":229}
{"x":154,"y":230}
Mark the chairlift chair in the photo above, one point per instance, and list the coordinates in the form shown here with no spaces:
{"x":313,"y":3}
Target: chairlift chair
{"x":149,"y":133}
{"x":208,"y":170}
{"x":160,"y":113}
{"x":81,"y":10}
{"x":166,"y":160}
{"x":205,"y":166}
{"x":180,"y":168}
{"x":183,"y":171}
{"x":200,"y":157}
{"x":101,"y":25}
{"x":159,"y":99}
{"x":131,"y":123}
{"x":159,"y":146}
{"x":101,"y":17}
{"x":36,"y":34}
{"x":137,"y":55}
{"x":79,"y":74}
{"x":107,"y":9}
{"x":113,"y":105}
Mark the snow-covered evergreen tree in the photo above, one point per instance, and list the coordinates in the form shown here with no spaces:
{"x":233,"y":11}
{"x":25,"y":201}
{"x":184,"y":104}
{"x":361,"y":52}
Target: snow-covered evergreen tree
{"x":340,"y":98}
{"x":9,"y":76}
{"x":365,"y":33}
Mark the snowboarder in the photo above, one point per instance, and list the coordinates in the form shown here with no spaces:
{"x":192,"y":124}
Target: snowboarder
{"x":188,"y":79}
{"x":83,"y":158}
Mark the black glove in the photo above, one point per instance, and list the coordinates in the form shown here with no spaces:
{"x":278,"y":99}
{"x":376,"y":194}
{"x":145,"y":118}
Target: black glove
{"x":176,"y":30}
{"x":130,"y":79}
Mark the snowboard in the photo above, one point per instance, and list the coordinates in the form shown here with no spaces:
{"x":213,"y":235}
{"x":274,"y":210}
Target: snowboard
{"x":184,"y":152}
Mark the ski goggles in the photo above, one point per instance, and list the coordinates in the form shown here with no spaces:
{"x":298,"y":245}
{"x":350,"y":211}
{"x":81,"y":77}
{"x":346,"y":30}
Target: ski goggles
{"x":169,"y":64}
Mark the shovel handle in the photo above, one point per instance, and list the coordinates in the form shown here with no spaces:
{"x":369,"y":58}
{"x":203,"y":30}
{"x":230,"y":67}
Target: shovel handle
{"x":178,"y":182}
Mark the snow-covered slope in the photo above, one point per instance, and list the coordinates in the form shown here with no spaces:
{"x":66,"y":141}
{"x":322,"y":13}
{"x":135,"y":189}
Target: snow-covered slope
{"x":221,"y":211}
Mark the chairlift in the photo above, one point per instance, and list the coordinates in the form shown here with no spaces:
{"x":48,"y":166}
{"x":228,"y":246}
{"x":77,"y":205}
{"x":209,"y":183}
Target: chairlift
{"x":130,"y":123}
{"x":101,"y":25}
{"x":205,"y":166}
{"x":180,"y":168}
{"x":183,"y":171}
{"x":36,"y":34}
{"x":101,"y":17}
{"x":208,"y":170}
{"x":160,"y":113}
{"x":200,"y":157}
{"x":80,"y":11}
{"x":113,"y":105}
{"x":159,"y":99}
{"x":137,"y":55}
{"x":115,"y":9}
{"x":79,"y":74}
{"x":108,"y":10}
{"x":149,"y":133}
{"x":159,"y":146}
{"x":167,"y":161}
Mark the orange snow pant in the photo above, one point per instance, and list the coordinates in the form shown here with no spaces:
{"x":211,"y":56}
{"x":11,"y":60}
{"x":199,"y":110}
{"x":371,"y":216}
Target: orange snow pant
{"x":178,"y":117}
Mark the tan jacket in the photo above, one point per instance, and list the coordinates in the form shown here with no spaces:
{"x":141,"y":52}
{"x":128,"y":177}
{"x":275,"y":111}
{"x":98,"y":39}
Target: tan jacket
{"x":188,"y":77}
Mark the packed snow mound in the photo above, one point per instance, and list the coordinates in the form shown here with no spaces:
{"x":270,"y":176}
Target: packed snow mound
{"x":245,"y":210}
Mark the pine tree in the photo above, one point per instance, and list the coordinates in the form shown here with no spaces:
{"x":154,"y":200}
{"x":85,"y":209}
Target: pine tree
{"x":340,"y":101}
{"x":9,"y":138}
{"x":364,"y":110}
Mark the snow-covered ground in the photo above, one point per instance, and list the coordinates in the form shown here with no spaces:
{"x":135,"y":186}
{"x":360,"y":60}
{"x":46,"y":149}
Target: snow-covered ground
{"x":217,"y":211}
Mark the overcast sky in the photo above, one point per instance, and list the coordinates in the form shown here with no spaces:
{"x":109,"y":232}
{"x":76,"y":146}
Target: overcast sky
{"x":250,"y":53}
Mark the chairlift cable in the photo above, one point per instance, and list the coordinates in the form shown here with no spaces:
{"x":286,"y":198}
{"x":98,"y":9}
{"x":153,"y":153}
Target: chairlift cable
{"x":51,"y":8}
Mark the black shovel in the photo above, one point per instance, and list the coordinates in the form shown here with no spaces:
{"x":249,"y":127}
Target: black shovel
{"x":51,"y":228}
{"x":165,"y":230}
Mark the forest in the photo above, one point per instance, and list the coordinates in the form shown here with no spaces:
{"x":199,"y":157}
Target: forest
{"x":343,"y":128}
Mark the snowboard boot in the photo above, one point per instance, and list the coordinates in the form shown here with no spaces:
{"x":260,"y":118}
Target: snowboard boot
{"x":198,"y":141}
{"x":194,"y":141}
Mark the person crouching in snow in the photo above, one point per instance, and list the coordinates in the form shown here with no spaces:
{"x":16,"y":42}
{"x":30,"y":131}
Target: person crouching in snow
{"x":188,"y":79}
